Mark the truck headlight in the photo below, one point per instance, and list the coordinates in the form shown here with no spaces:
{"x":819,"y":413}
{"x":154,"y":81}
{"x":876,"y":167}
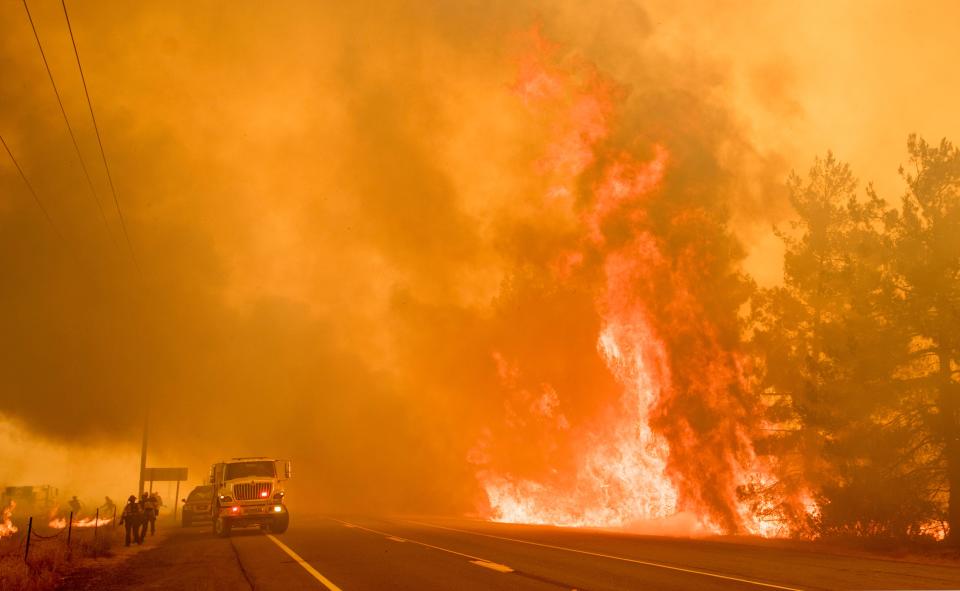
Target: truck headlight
{"x":278,"y":496}
{"x":277,"y":509}
{"x":226,"y":498}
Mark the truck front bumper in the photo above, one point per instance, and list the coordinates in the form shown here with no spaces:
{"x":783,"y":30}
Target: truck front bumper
{"x":238,"y":514}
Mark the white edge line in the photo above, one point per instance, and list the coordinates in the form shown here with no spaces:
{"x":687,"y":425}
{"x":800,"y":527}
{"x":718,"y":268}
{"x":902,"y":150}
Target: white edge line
{"x":621,"y":558}
{"x":306,"y":565}
{"x":473,"y":559}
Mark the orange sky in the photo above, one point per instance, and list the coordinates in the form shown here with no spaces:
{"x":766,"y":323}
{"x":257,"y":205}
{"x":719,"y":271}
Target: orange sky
{"x":854,"y":77}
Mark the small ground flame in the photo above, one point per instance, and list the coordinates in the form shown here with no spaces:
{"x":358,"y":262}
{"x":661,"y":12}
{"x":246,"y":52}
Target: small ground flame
{"x":7,"y":528}
{"x":57,"y":522}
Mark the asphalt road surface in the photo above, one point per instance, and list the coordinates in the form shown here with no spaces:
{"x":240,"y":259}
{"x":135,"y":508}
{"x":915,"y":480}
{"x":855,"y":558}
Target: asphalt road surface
{"x":364,"y":553}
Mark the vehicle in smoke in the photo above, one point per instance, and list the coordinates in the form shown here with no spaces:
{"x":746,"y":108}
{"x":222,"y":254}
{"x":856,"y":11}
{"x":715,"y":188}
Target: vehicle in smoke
{"x":196,"y":507}
{"x":249,"y":492}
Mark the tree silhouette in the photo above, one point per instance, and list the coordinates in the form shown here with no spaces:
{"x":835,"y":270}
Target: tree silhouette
{"x":857,"y":353}
{"x":926,"y":246}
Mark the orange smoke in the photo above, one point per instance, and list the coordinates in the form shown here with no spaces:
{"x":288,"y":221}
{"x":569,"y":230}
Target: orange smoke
{"x":678,"y":437}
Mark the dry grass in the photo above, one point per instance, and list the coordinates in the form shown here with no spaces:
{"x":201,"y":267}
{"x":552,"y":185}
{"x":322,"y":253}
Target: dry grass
{"x":49,"y":558}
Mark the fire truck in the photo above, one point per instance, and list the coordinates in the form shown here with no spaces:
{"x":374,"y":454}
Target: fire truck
{"x":249,"y":492}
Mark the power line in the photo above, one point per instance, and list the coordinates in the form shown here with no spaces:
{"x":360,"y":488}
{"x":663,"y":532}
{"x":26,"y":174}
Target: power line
{"x":96,"y":128}
{"x":36,"y":198}
{"x":73,"y":137}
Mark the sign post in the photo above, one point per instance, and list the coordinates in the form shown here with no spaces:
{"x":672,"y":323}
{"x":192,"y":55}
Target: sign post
{"x":166,"y":475}
{"x":176,"y":501}
{"x":143,"y":451}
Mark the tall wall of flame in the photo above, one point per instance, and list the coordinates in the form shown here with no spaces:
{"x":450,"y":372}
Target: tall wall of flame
{"x":648,"y":242}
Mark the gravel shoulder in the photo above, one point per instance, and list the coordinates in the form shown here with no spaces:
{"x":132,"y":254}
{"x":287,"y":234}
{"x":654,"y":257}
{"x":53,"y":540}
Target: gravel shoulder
{"x":187,"y":559}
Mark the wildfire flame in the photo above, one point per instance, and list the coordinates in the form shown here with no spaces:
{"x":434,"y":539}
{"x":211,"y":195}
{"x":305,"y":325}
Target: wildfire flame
{"x":679,"y":441}
{"x":935,"y":529}
{"x":7,"y":528}
{"x":61,"y":522}
{"x":619,"y":481}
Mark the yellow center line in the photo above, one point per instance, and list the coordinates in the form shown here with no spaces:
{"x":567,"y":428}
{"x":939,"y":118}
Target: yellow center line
{"x":306,"y":565}
{"x":611,"y":557}
{"x":500,"y":568}
{"x":473,"y":559}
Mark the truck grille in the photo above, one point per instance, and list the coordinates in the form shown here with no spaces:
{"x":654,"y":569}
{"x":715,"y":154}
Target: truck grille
{"x":251,"y":492}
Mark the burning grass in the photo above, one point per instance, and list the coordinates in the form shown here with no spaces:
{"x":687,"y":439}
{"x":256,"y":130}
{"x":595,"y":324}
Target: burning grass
{"x":49,"y":559}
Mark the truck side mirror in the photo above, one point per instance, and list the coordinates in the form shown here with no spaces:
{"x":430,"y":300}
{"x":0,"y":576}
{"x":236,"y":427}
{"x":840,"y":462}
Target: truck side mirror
{"x":287,"y":469}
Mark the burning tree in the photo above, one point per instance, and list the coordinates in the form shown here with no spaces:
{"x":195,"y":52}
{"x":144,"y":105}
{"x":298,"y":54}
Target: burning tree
{"x":653,"y":416}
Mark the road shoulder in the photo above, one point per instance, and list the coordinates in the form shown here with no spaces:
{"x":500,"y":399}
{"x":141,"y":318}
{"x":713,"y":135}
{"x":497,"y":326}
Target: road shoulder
{"x":183,"y":559}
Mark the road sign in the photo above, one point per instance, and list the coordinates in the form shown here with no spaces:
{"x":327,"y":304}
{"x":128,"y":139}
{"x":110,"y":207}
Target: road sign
{"x":164,"y":474}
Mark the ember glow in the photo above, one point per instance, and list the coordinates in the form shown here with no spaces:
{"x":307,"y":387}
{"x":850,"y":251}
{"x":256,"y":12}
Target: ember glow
{"x":7,"y":528}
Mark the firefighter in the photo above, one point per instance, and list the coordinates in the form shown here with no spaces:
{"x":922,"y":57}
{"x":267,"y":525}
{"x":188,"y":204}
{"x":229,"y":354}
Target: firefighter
{"x":75,"y":506}
{"x":149,"y":508}
{"x":108,"y":506}
{"x":131,"y":518}
{"x":157,"y":504}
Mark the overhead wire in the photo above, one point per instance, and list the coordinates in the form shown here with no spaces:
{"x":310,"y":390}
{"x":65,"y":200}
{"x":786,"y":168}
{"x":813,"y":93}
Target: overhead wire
{"x":96,"y":128}
{"x":66,"y":120}
{"x":103,"y":154}
{"x":33,"y":192}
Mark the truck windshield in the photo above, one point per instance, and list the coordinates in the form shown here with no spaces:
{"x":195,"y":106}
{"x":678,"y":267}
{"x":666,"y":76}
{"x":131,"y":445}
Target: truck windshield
{"x":249,"y":469}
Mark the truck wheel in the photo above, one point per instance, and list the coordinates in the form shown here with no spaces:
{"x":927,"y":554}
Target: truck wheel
{"x":221,"y":527}
{"x":280,"y":523}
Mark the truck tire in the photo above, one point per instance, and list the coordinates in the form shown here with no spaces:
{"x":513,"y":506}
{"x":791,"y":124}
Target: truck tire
{"x":280,"y":523}
{"x":221,"y":527}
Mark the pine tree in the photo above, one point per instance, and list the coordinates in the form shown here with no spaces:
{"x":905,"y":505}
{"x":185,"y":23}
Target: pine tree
{"x":926,"y":247}
{"x":828,"y":343}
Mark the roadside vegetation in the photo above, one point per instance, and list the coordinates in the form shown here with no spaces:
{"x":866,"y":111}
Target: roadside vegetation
{"x":49,"y":559}
{"x":858,"y":355}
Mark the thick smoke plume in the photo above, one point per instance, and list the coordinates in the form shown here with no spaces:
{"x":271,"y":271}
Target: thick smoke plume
{"x":440,"y":261}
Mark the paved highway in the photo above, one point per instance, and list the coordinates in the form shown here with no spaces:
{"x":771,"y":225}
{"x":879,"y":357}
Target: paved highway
{"x":365,"y":553}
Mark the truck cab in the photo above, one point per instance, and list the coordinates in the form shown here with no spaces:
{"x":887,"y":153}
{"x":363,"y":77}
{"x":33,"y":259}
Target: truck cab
{"x":249,"y":492}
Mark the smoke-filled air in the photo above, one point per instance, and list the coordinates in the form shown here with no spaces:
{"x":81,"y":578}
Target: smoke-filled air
{"x":683,"y":270}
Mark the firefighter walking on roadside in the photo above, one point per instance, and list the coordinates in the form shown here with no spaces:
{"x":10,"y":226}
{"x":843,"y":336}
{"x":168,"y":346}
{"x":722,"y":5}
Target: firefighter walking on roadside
{"x":75,"y":506}
{"x":108,"y":506}
{"x":149,"y":508}
{"x":131,"y":518}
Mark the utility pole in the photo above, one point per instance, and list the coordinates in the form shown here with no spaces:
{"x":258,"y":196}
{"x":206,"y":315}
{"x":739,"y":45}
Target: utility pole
{"x":143,"y":450}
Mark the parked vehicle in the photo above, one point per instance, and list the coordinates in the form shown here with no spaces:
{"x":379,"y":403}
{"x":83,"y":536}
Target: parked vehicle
{"x":196,"y":507}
